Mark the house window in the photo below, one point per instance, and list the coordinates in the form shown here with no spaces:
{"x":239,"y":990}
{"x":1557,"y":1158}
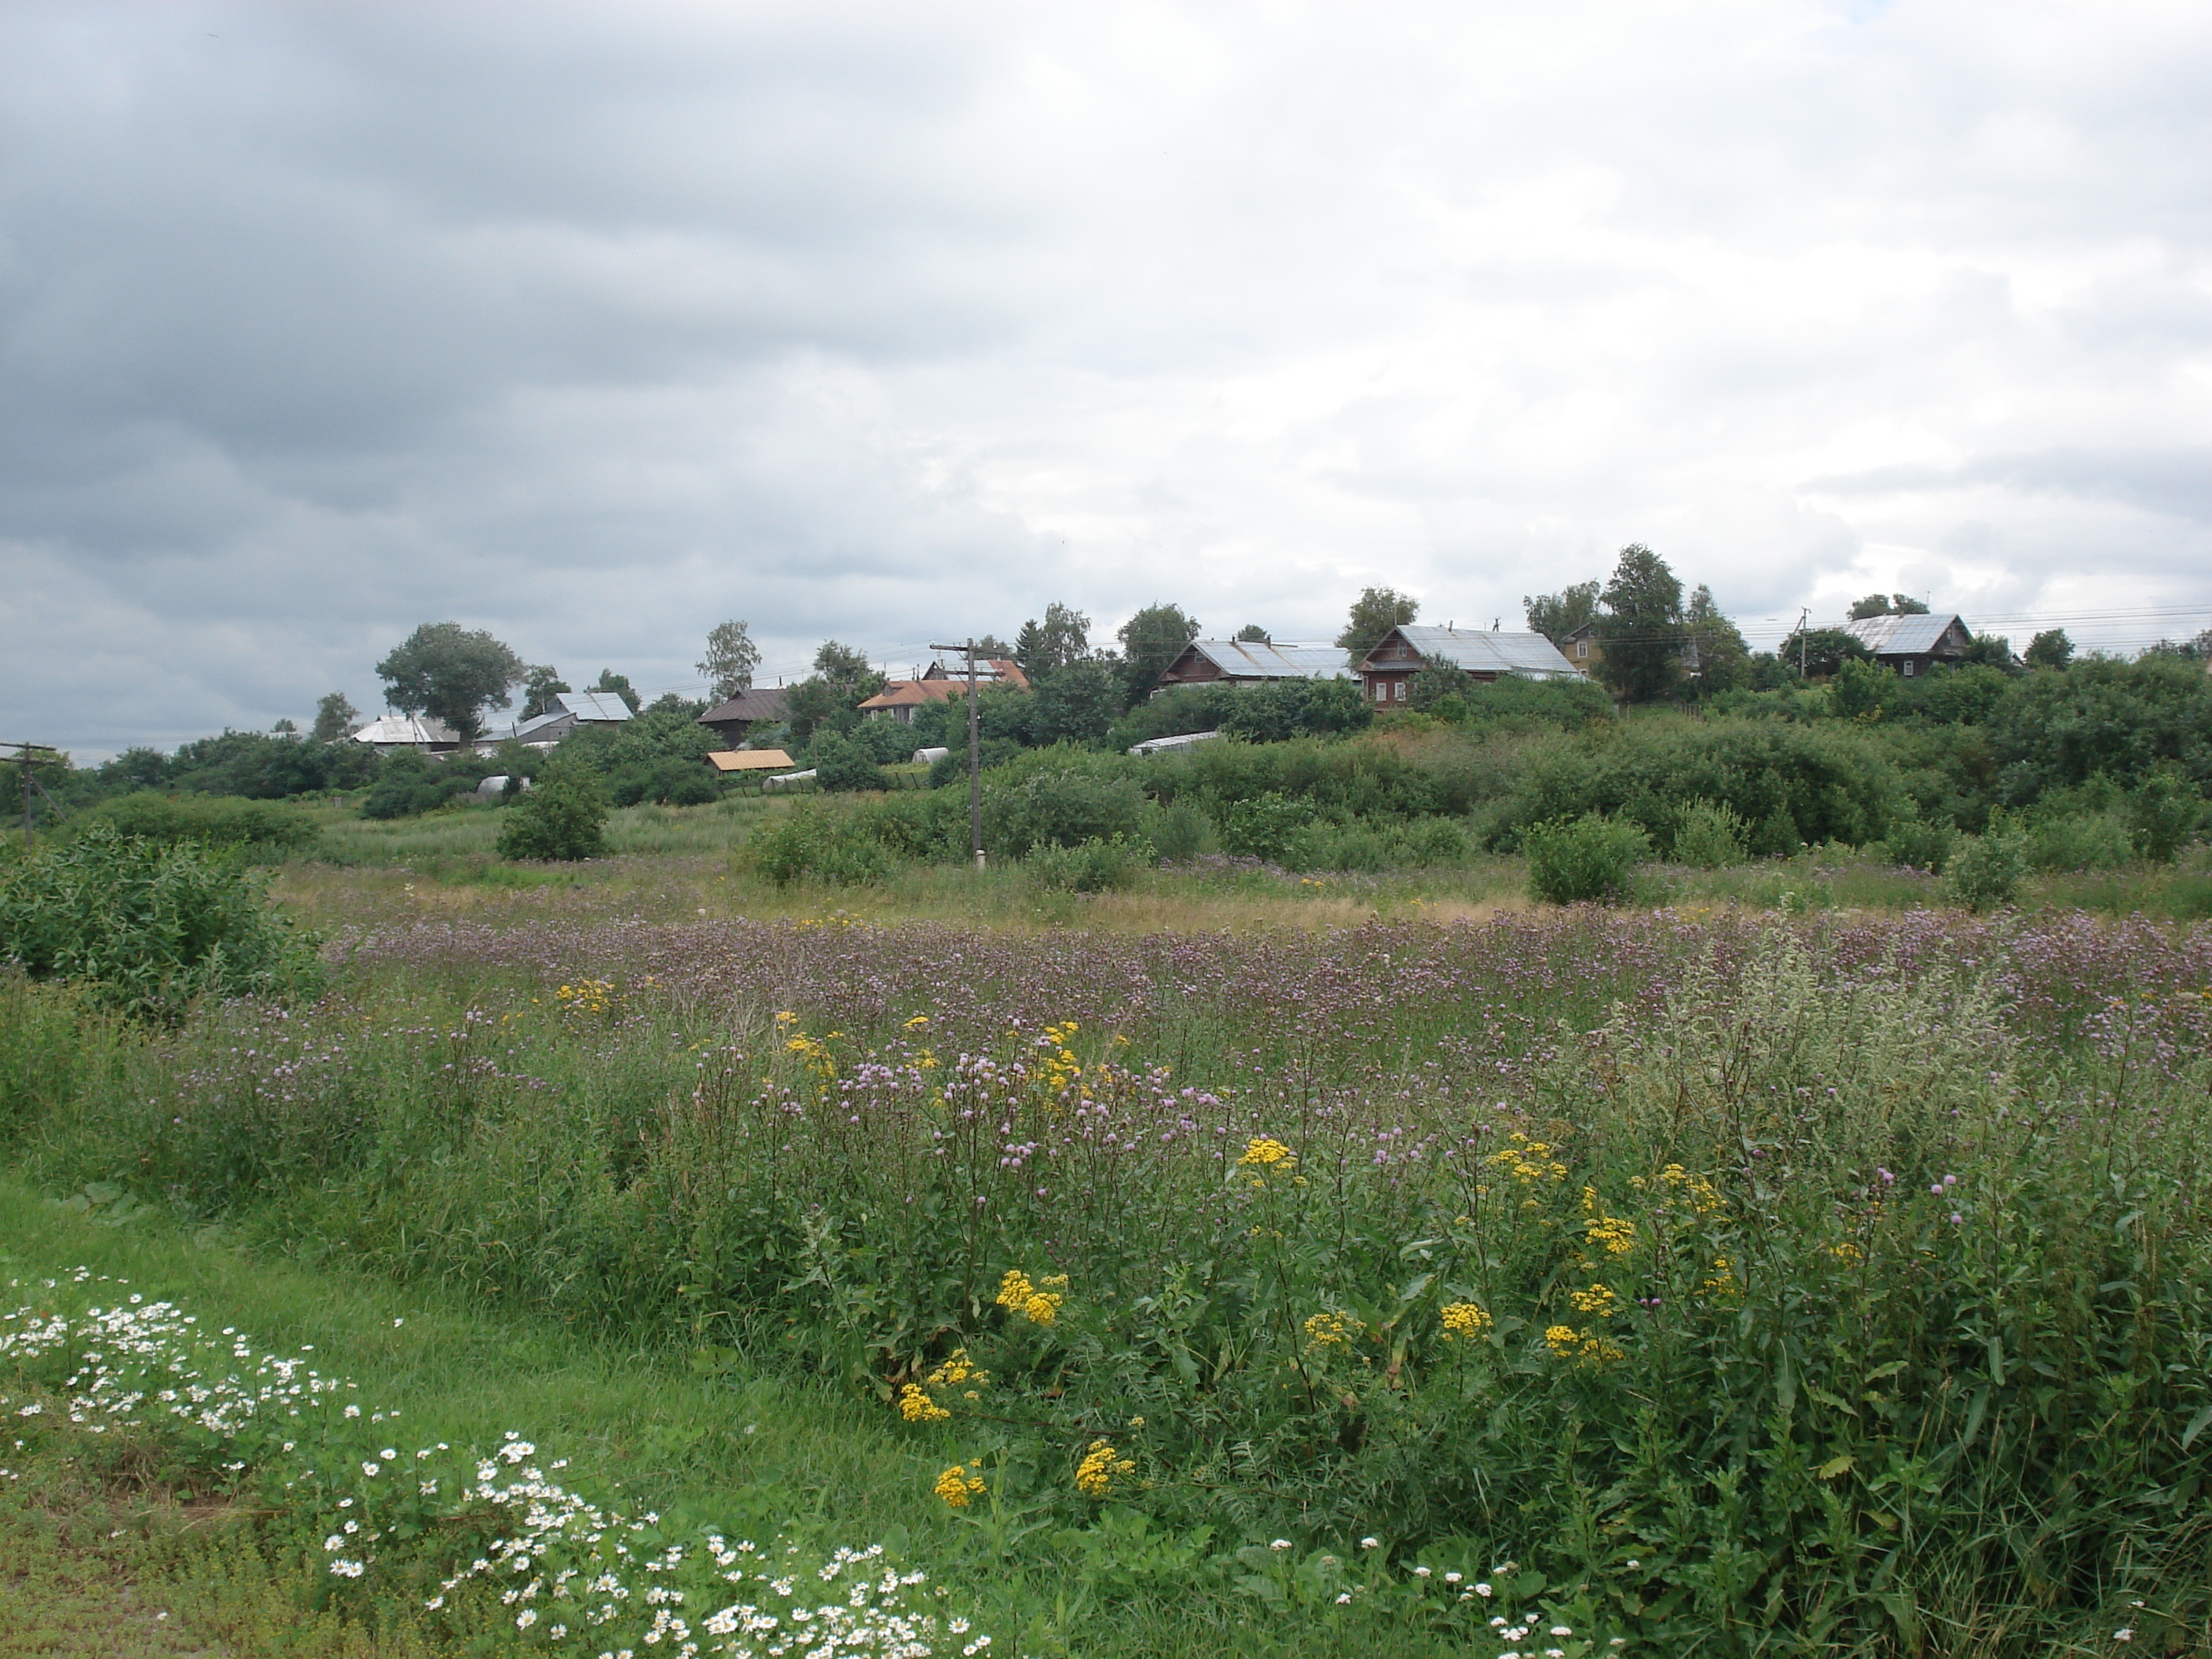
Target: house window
{"x":1381,"y":691}
{"x":1909,"y":666}
{"x":1400,"y":693}
{"x":1581,"y":647}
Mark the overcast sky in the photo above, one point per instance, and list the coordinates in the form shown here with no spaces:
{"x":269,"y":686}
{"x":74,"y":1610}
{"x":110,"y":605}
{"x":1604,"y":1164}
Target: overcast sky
{"x":594,"y":326}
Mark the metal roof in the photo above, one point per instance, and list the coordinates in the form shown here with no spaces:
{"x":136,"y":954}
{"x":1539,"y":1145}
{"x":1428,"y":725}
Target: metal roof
{"x":389,"y":729}
{"x":598,"y":706}
{"x":1485,"y":651}
{"x":1262,"y":659}
{"x":1903,"y":637}
{"x":1172,"y":745}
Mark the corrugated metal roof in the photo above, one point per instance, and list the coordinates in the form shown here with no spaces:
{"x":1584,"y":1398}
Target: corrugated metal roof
{"x":1246,"y":659}
{"x":1482,"y":650}
{"x":598,"y":706}
{"x":390,"y":728}
{"x":1903,"y":636}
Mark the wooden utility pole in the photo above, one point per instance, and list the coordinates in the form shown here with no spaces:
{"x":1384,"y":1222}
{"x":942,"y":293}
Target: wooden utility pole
{"x":27,"y":756}
{"x":1804,"y":618}
{"x":974,"y":755}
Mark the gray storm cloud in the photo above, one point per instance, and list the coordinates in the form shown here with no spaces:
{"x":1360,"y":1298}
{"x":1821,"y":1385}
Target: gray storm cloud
{"x":596,"y":326}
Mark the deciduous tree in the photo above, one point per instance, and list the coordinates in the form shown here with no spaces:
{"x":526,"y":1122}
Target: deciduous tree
{"x":450,"y":673}
{"x":731,"y":658}
{"x":1374,"y":614}
{"x":1151,"y":640}
{"x":1641,"y":626}
{"x":335,"y":717}
{"x":1555,"y":615}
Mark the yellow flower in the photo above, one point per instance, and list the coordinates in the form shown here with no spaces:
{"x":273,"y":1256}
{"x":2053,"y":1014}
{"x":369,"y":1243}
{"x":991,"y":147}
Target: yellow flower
{"x":1331,"y":1330}
{"x":917,"y":1022}
{"x":1598,"y":1299}
{"x":1039,"y":1303}
{"x":960,"y":1483}
{"x":956,"y":1371}
{"x":1590,"y":1349}
{"x":1612,"y":1233}
{"x":1465,"y":1320}
{"x":1101,"y":1466}
{"x":1268,"y":1152}
{"x":1847,"y":1252}
{"x":916,"y":1406}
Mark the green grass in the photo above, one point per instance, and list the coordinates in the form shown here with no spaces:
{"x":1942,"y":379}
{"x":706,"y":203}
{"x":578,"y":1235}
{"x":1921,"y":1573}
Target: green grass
{"x":98,"y":1543}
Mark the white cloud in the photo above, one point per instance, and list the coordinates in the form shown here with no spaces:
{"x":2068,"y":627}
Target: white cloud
{"x":882,"y":322}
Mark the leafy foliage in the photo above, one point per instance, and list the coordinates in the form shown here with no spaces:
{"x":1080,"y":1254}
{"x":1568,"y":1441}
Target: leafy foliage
{"x":261,"y":826}
{"x":1589,"y":858}
{"x":1555,"y":615}
{"x":564,"y":818}
{"x":148,"y":927}
{"x":1641,"y":626}
{"x":452,"y":674}
{"x":1151,"y":640}
{"x":1374,"y":614}
{"x":730,"y":658}
{"x":336,"y":718}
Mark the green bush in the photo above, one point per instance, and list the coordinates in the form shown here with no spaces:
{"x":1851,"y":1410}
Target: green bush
{"x":148,"y":926}
{"x":818,"y":841}
{"x":1589,"y":858}
{"x":1261,"y":826}
{"x":843,"y":764}
{"x":2078,"y":841}
{"x":1089,"y":867}
{"x":1711,"y":837}
{"x":1987,"y":869}
{"x":1182,"y":831}
{"x":261,"y":826}
{"x":2163,"y":815}
{"x":564,"y":818}
{"x":1058,"y":805}
{"x":1794,"y":783}
{"x":1920,"y":843}
{"x":410,"y":784}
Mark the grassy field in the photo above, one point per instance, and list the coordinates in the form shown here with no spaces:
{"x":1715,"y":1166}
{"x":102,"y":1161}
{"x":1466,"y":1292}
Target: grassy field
{"x":1784,"y":1266}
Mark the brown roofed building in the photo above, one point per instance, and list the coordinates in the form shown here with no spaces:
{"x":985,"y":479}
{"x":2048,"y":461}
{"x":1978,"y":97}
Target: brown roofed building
{"x":900,"y":698}
{"x":730,"y":720}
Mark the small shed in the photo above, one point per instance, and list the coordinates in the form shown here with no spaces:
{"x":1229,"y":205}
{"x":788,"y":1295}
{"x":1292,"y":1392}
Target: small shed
{"x":749,"y":760}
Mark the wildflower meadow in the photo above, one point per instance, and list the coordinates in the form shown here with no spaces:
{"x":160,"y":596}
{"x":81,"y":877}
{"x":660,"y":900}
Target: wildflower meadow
{"x":1563,"y":1282}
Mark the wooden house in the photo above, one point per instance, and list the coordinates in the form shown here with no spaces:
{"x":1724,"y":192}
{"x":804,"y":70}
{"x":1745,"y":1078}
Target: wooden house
{"x":1913,"y":644}
{"x":1386,"y":672}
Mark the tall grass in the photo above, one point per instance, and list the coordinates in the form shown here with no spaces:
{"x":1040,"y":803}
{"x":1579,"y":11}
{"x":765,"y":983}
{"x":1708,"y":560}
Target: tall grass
{"x":1827,"y":1286}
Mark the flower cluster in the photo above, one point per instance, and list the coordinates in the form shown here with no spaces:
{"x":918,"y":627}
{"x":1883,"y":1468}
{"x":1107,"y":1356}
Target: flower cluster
{"x":1464,"y":1321}
{"x":1040,"y":1303}
{"x":1589,"y":1348}
{"x":961,"y":1484}
{"x":1266,"y":1153}
{"x":580,"y":1578}
{"x":1100,"y":1466}
{"x":1530,"y":1162}
{"x":588,"y":997}
{"x":1331,"y":1330}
